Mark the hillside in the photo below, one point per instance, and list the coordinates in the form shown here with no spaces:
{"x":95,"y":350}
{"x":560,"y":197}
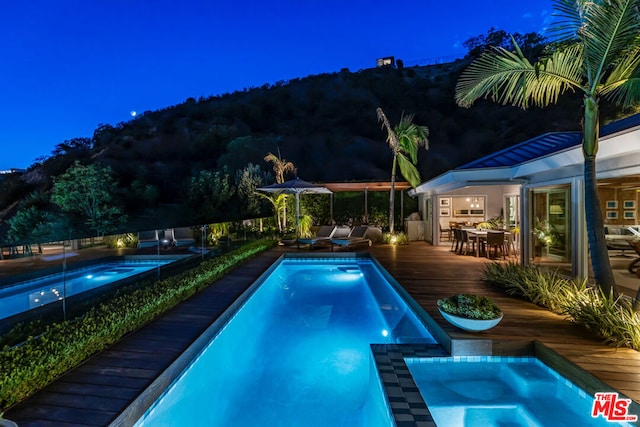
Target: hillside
{"x":325,"y":124}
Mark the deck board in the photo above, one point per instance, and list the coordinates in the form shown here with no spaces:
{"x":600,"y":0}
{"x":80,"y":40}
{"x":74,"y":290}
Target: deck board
{"x":97,"y":391}
{"x":429,"y":273}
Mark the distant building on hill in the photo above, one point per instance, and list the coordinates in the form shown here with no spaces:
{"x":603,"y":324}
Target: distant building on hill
{"x":12,"y":170}
{"x":388,"y":61}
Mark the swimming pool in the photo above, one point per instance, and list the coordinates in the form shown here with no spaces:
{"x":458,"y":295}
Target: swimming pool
{"x":24,"y":296}
{"x":485,"y":391}
{"x":297,"y":352}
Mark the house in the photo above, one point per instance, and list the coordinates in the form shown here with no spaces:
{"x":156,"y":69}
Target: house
{"x":388,"y":61}
{"x":538,"y":185}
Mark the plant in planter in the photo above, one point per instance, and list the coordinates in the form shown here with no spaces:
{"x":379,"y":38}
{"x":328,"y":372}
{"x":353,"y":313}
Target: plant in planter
{"x":470,"y":312}
{"x":5,"y":422}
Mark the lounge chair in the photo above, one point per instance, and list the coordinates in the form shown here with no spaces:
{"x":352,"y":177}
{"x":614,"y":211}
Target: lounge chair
{"x":355,"y":238}
{"x":183,"y":236}
{"x":322,"y":238}
{"x":148,"y":239}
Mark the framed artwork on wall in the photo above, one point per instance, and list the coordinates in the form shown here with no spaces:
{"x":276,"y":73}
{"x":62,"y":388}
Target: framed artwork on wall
{"x":612,"y":214}
{"x":445,"y":212}
{"x":612,"y":204}
{"x":445,"y":202}
{"x":629,"y":204}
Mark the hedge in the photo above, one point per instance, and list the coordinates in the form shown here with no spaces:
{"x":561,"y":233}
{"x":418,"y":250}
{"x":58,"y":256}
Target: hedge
{"x":36,"y":362}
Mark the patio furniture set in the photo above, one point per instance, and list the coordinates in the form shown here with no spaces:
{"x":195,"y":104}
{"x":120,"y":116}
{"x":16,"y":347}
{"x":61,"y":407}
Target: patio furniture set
{"x":479,"y":242}
{"x":331,"y":235}
{"x":182,"y":236}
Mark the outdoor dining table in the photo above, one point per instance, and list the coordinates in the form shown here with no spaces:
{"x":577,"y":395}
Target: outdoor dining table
{"x":480,"y":235}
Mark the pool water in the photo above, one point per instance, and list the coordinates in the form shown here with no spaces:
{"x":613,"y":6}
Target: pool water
{"x":24,"y":296}
{"x":297,"y":352}
{"x":491,"y":391}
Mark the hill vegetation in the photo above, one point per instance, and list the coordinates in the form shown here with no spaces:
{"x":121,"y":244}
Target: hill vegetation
{"x":199,"y":161}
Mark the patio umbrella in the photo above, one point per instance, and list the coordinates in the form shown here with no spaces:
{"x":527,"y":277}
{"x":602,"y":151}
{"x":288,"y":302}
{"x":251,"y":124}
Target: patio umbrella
{"x":295,"y":186}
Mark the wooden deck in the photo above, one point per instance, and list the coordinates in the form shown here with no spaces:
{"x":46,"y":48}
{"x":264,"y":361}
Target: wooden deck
{"x":429,"y":273}
{"x":98,"y":391}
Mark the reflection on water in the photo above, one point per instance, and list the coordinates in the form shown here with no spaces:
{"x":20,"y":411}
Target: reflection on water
{"x":24,"y":296}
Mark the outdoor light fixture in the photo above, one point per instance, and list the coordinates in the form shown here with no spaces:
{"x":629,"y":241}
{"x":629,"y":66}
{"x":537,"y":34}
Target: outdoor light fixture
{"x":556,"y":210}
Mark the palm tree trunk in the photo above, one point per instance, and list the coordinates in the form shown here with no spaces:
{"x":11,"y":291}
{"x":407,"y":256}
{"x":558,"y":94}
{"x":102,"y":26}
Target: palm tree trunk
{"x":284,"y":213}
{"x":392,"y":196}
{"x":602,"y":272}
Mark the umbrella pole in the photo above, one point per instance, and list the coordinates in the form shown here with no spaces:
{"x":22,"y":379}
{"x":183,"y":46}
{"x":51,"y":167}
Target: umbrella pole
{"x":297,"y":212}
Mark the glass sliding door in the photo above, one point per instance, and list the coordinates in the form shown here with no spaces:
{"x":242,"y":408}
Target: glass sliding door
{"x":551,"y":225}
{"x":512,"y":209}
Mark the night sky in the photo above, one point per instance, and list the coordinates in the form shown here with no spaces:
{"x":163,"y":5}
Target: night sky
{"x":68,"y":66}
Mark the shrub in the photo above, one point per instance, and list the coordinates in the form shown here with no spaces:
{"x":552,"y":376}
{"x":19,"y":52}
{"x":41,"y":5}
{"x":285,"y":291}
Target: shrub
{"x":546,"y":289}
{"x":615,"y":320}
{"x":128,"y":240}
{"x":395,"y":238}
{"x":27,"y":367}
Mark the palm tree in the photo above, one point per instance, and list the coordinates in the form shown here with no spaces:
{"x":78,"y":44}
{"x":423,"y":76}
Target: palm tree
{"x":404,"y":142}
{"x":596,"y":53}
{"x":280,"y":168}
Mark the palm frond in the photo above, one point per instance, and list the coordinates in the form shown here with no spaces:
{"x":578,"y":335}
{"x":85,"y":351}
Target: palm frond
{"x":508,"y":78}
{"x":610,"y":28}
{"x":392,"y":138}
{"x":568,"y":19}
{"x":411,"y":137}
{"x":408,"y":170}
{"x":622,"y":86}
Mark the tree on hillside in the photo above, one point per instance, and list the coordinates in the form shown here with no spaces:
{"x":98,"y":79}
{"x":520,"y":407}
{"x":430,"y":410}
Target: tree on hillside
{"x":597,"y":53}
{"x":73,"y":146}
{"x":531,"y":43}
{"x":247,"y":180}
{"x":404,"y":142}
{"x":35,"y":224}
{"x":89,"y":191}
{"x":209,"y":195}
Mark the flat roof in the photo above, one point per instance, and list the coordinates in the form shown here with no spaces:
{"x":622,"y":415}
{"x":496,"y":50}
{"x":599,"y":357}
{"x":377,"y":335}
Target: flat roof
{"x":338,"y":187}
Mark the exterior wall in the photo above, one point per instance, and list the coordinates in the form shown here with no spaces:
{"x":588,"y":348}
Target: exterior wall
{"x":618,"y":156}
{"x":493,"y":196}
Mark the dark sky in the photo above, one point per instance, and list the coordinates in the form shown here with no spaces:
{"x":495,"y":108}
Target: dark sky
{"x":68,"y":66}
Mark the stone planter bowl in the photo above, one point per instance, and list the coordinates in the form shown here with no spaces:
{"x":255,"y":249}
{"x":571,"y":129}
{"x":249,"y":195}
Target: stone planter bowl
{"x":470,"y":325}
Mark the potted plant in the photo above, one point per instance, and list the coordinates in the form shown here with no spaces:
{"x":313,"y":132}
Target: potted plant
{"x":5,"y":422}
{"x":470,"y":312}
{"x":545,"y":236}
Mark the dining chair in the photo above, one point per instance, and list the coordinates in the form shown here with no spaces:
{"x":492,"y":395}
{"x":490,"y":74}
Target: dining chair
{"x":464,"y":241}
{"x":495,"y":240}
{"x":446,"y":232}
{"x":456,"y":239}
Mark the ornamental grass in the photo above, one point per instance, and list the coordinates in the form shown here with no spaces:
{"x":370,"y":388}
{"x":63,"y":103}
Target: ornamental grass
{"x":612,"y":319}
